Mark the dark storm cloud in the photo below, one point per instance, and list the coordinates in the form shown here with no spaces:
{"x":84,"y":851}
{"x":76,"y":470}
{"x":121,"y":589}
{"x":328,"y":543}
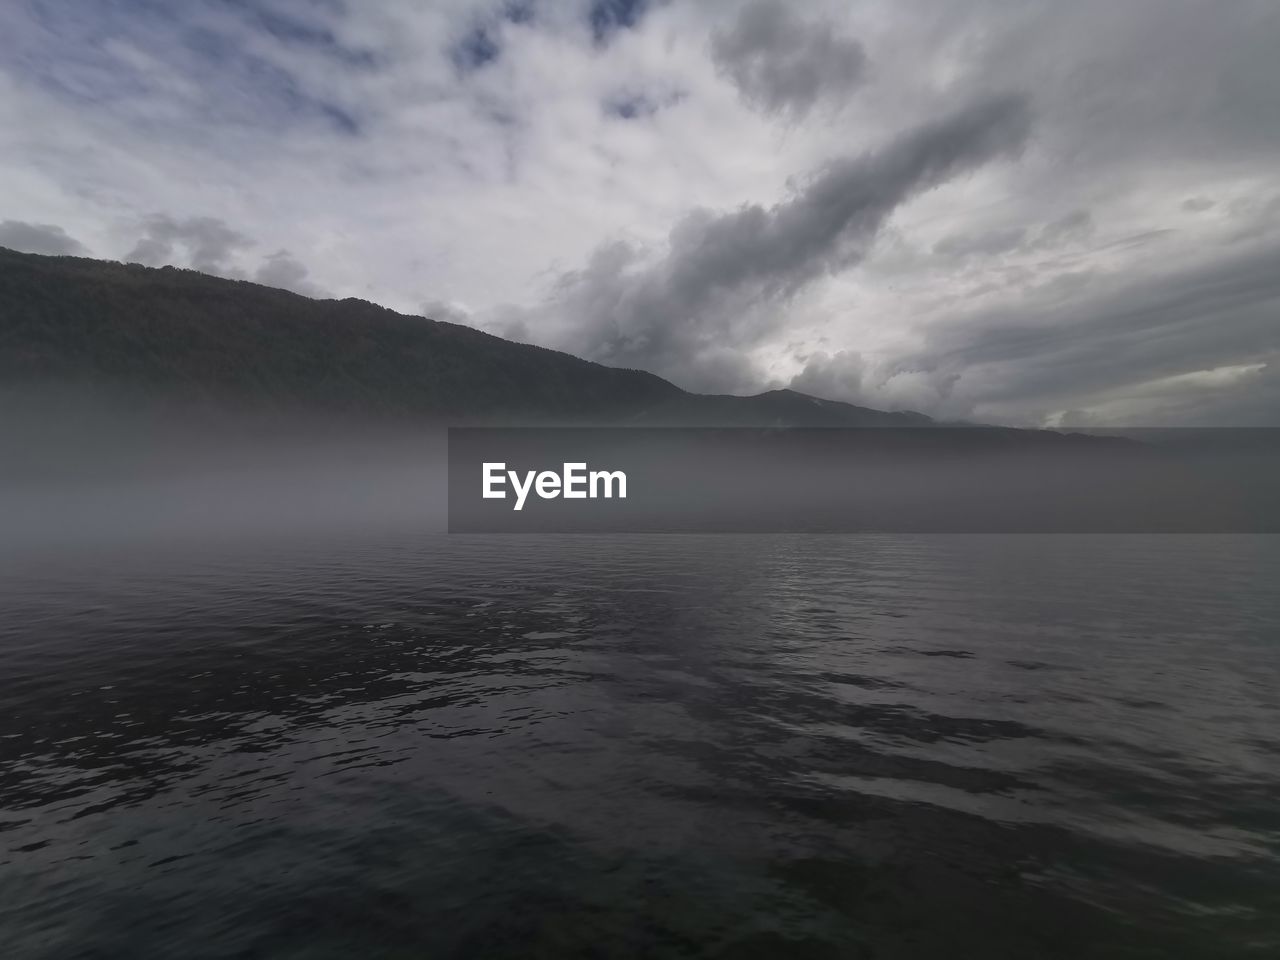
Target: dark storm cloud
{"x":726,"y":277}
{"x":201,"y":243}
{"x":45,"y":238}
{"x":785,"y":64}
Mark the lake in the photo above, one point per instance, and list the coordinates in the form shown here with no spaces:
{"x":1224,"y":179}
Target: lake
{"x":643,"y":746}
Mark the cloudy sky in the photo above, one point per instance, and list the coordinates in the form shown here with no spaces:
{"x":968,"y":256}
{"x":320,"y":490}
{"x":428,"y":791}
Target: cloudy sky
{"x":1019,"y":211}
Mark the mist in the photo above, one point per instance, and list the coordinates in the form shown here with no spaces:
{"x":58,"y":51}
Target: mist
{"x":89,"y":472}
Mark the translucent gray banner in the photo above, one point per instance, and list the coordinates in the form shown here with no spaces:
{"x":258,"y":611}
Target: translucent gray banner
{"x":883,"y":480}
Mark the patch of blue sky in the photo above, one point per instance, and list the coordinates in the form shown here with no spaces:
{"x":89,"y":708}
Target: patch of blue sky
{"x":637,"y":106}
{"x":632,"y":106}
{"x":74,"y":50}
{"x":608,"y":17}
{"x":289,"y":28}
{"x":478,"y":47}
{"x":481,"y":45}
{"x":520,"y":11}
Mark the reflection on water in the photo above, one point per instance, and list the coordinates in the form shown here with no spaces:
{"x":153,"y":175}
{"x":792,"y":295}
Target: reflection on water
{"x":734,"y":746}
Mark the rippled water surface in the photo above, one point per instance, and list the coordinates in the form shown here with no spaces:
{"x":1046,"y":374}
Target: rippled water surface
{"x":639,"y":746}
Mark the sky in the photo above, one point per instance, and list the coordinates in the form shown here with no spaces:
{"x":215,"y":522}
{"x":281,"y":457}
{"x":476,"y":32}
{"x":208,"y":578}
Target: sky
{"x":1013,"y":211}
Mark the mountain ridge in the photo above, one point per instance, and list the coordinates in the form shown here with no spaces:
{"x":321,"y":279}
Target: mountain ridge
{"x":183,"y":336}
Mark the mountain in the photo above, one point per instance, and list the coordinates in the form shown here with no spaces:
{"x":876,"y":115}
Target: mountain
{"x":785,"y":408}
{"x":183,"y":337}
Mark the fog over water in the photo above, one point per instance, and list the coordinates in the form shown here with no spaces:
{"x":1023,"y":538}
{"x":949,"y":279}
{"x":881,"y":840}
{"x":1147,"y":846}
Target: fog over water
{"x":93,"y":471}
{"x":117,"y":473}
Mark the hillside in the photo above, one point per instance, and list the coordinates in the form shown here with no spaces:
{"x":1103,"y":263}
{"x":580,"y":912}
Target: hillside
{"x":184,"y":337}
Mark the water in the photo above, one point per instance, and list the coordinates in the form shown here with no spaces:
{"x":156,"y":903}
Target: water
{"x":736,"y":746}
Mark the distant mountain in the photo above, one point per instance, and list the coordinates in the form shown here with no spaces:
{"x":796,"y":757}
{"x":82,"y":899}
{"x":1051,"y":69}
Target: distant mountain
{"x":185,"y":337}
{"x":785,"y":408}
